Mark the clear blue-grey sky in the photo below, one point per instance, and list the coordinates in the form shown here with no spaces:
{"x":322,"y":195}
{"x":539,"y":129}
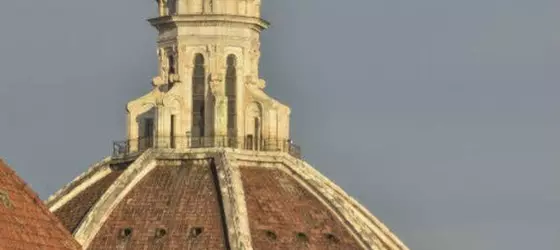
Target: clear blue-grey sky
{"x":441,"y":116}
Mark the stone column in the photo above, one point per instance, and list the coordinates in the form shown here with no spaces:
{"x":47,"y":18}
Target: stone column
{"x":207,"y":7}
{"x":162,"y":126}
{"x":187,"y":118}
{"x":162,"y":7}
{"x":220,"y":110}
{"x":132,"y":129}
{"x":242,"y":7}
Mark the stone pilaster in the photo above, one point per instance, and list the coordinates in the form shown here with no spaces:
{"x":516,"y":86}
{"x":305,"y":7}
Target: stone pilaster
{"x":162,"y":126}
{"x":220,"y":109}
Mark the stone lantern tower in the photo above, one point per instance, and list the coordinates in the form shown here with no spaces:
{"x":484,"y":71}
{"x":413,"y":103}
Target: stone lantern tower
{"x":207,"y":162}
{"x":208,"y":91}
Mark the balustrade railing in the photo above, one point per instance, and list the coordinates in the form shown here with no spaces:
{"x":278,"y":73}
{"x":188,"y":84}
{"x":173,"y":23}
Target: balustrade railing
{"x":127,"y":147}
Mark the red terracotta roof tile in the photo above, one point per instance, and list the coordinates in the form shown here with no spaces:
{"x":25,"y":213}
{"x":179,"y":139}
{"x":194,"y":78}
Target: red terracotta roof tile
{"x":72,"y":213}
{"x":25,"y":222}
{"x":179,"y":200}
{"x":284,"y":215}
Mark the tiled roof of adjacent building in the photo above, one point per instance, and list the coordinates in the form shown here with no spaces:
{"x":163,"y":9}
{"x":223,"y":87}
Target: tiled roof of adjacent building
{"x":25,"y":222}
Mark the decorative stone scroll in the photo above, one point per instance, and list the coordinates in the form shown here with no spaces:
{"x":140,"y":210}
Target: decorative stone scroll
{"x":261,"y":84}
{"x":217,"y":84}
{"x":174,"y":77}
{"x":254,"y":56}
{"x":161,"y":79}
{"x":164,"y":76}
{"x":252,"y":80}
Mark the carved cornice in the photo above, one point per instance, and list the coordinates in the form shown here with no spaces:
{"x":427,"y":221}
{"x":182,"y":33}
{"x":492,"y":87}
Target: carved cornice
{"x":257,"y":24}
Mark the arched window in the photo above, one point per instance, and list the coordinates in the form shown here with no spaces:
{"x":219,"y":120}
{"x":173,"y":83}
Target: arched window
{"x":231,"y":82}
{"x":198,"y":91}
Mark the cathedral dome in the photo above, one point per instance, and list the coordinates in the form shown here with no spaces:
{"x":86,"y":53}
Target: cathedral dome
{"x":214,"y":199}
{"x":25,"y":222}
{"x":208,"y":161}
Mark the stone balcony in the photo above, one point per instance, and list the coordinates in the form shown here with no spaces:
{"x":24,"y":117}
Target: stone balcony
{"x":125,"y":148}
